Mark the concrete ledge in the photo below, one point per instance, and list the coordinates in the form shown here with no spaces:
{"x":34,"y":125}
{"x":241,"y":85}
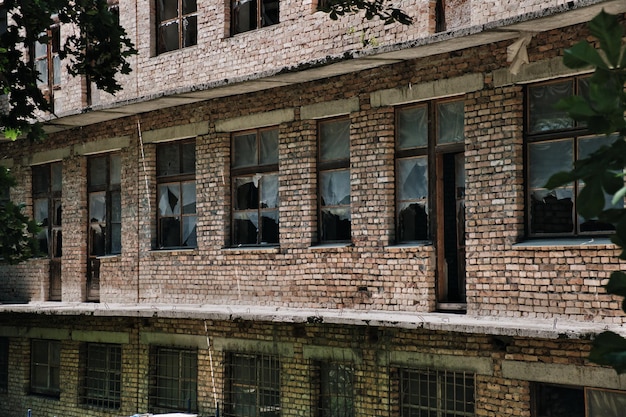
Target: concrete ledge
{"x":329,"y":109}
{"x":253,"y":121}
{"x":35,"y":332}
{"x":49,"y":156}
{"x":329,"y":353}
{"x":477,"y":365}
{"x":223,"y":344}
{"x":173,"y":339}
{"x":103,"y":145}
{"x":534,"y":72}
{"x":100,"y":337}
{"x":190,"y":130}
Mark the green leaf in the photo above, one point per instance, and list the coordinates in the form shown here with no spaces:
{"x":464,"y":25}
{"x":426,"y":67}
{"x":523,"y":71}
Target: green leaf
{"x":609,"y":349}
{"x":590,"y":200}
{"x":617,"y":284}
{"x":619,"y":195}
{"x":582,"y":55}
{"x":608,"y":30}
{"x":559,"y":179}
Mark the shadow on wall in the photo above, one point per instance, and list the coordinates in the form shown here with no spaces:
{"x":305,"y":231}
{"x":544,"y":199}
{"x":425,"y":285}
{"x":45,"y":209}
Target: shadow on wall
{"x":13,"y":290}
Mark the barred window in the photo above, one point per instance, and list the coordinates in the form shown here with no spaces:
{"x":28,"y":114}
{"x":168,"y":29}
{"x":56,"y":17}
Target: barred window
{"x":336,"y":390}
{"x":102,"y":375}
{"x":253,"y":386}
{"x":4,"y":364}
{"x":45,"y":367}
{"x":436,"y":393}
{"x":173,"y":380}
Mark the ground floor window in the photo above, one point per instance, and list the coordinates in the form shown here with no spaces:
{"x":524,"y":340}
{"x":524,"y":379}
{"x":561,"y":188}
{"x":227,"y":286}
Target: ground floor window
{"x":550,"y":400}
{"x":45,"y":366}
{"x":102,"y":375}
{"x":173,"y":379}
{"x":336,"y":389}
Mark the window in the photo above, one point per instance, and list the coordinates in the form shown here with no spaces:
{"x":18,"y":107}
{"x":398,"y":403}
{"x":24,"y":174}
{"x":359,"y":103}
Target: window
{"x":553,"y":143}
{"x":105,"y":220}
{"x":176,"y":195}
{"x":177,"y":24}
{"x":45,"y":365}
{"x":436,"y":393}
{"x":102,"y":375}
{"x":253,"y":384}
{"x":336,"y":390}
{"x":255,"y":187}
{"x":4,"y":365}
{"x":47,"y":59}
{"x":557,"y":400}
{"x":334,"y":180}
{"x":47,"y":207}
{"x":173,"y":380}
{"x":252,"y":14}
{"x":3,"y":18}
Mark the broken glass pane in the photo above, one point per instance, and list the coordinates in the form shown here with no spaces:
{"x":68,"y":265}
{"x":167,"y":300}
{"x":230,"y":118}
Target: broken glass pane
{"x":168,"y":37}
{"x":168,"y":9}
{"x":335,"y":187}
{"x":269,"y":147}
{"x":97,"y":238}
{"x":189,"y":197}
{"x":269,"y":228}
{"x":246,"y":227}
{"x":543,"y":115}
{"x":412,"y":221}
{"x":40,"y":209}
{"x":552,"y":211}
{"x":189,"y":231}
{"x":190,"y":31}
{"x":244,"y":150}
{"x":170,"y":232}
{"x":246,"y":193}
{"x":97,"y":171}
{"x":269,"y":191}
{"x":244,"y":14}
{"x":189,"y":6}
{"x":451,"y":122}
{"x":548,"y":158}
{"x":336,"y":224}
{"x":269,"y":12}
{"x":97,"y":207}
{"x":168,"y":161}
{"x":169,"y":199}
{"x":334,"y":140}
{"x":412,"y":128}
{"x":413,"y":178}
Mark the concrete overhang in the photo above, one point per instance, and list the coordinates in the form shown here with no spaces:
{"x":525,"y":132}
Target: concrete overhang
{"x":502,"y":30}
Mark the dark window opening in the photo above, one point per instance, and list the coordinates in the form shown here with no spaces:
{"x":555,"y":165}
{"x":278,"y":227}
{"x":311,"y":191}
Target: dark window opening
{"x":440,"y":16}
{"x":177,"y":24}
{"x":173,"y":380}
{"x":335,"y":390}
{"x":102,"y":375}
{"x":248,"y":15}
{"x":45,"y":367}
{"x":47,"y":207}
{"x":4,"y":364}
{"x":558,"y":401}
{"x":176,"y":194}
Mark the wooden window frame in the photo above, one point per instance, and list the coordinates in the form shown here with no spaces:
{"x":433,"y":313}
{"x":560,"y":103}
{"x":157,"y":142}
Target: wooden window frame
{"x":179,"y":20}
{"x":53,"y":200}
{"x":108,"y":189}
{"x":51,"y":364}
{"x":260,"y":20}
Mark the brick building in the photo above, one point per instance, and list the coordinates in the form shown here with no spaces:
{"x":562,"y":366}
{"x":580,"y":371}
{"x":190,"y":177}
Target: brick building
{"x":272,"y":219}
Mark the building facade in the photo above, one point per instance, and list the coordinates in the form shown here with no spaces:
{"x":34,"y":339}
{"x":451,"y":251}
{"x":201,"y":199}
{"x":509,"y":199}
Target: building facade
{"x":274,"y":219}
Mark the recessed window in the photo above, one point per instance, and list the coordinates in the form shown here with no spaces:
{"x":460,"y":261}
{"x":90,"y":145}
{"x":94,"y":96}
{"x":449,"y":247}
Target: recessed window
{"x":177,"y":24}
{"x":253,"y":14}
{"x":335,"y":390}
{"x":335,"y":217}
{"x":45,"y":366}
{"x":105,"y":206}
{"x":102,"y":375}
{"x":253,"y":386}
{"x":554,"y":142}
{"x":558,"y":400}
{"x":4,"y":365}
{"x":436,"y":393}
{"x":255,"y":187}
{"x":173,"y":380}
{"x":176,"y":194}
{"x":47,"y":207}
{"x":47,"y":59}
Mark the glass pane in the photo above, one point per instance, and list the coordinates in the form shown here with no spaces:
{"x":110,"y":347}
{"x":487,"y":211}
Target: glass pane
{"x":269,"y":229}
{"x":116,"y":238}
{"x":336,"y":224}
{"x":270,"y":14}
{"x":412,"y":128}
{"x":246,"y":193}
{"x":116,"y":169}
{"x":56,"y":70}
{"x":168,"y":9}
{"x":40,"y":376}
{"x":548,"y":158}
{"x":542,"y":114}
{"x":169,"y":199}
{"x":41,"y":48}
{"x":41,"y":179}
{"x":588,"y":145}
{"x":189,"y":197}
{"x":605,"y":403}
{"x":413,"y":178}
{"x":412,"y":221}
{"x":39,"y":352}
{"x":97,"y":171}
{"x":334,"y":140}
{"x":189,"y":231}
{"x":451,"y":122}
{"x":244,"y":150}
{"x":40,"y":209}
{"x":269,"y":147}
{"x":190,"y":31}
{"x":116,"y":207}
{"x":335,"y":187}
{"x":57,"y":213}
{"x":168,"y":160}
{"x":56,"y":183}
{"x":170,"y":232}
{"x":559,"y":401}
{"x":189,"y":6}
{"x":42,"y":69}
{"x":269,"y":191}
{"x":245,"y":228}
{"x":244,"y":15}
{"x":97,"y":207}
{"x":189,"y":158}
{"x":552,"y":211}
{"x":168,"y":37}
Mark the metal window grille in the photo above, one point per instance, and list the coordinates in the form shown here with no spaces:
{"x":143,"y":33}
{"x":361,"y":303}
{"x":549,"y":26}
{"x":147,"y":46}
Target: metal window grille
{"x":45,"y":367}
{"x":4,"y":364}
{"x":102,"y":375}
{"x":253,"y":386}
{"x":436,"y":393}
{"x":173,"y":380}
{"x":336,"y":389}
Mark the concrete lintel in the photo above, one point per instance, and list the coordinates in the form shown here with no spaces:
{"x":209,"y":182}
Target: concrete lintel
{"x":190,"y":130}
{"x":6,"y":162}
{"x":35,"y":332}
{"x":535,"y":71}
{"x":554,"y":373}
{"x":329,"y":108}
{"x":173,"y":339}
{"x":330,"y":353}
{"x":223,"y":344}
{"x":46,"y":157}
{"x":429,"y":90}
{"x":256,"y":120}
{"x":100,"y":337}
{"x":478,"y":365}
{"x":101,"y":146}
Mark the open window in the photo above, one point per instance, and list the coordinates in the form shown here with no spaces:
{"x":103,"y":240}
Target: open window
{"x":248,"y":15}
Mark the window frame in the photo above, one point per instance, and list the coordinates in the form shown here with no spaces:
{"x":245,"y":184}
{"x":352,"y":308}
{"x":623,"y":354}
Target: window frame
{"x":51,"y":58}
{"x":51,"y":388}
{"x":267,"y":390}
{"x":53,"y":198}
{"x":573,"y":134}
{"x":183,"y":380}
{"x":179,"y":20}
{"x":338,"y":392}
{"x":260,"y":19}
{"x":104,"y":391}
{"x":179,"y":179}
{"x":261,"y":171}
{"x":108,"y":189}
{"x":4,"y":365}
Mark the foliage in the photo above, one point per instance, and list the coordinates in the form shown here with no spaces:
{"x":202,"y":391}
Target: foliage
{"x":17,"y":242}
{"x":372,"y":8}
{"x":603,"y":110}
{"x":98,"y":49}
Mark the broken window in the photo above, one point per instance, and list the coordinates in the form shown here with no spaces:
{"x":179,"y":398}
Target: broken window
{"x":47,"y":59}
{"x":176,"y":194}
{"x":47,"y":207}
{"x":554,"y":142}
{"x":253,"y":14}
{"x":255,"y":187}
{"x":177,"y":24}
{"x":334,"y":180}
{"x":105,"y":219}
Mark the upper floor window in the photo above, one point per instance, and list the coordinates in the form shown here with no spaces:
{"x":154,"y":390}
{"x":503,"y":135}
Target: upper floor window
{"x":47,"y":207}
{"x":177,"y":24}
{"x":176,"y":194}
{"x":3,"y":18}
{"x":335,"y":390}
{"x":255,"y":187}
{"x":47,"y":59}
{"x":102,"y":375}
{"x":554,"y":142}
{"x":45,"y":367}
{"x":173,"y":380}
{"x":334,"y":180}
{"x":105,"y":205}
{"x":253,"y":14}
{"x":4,"y":364}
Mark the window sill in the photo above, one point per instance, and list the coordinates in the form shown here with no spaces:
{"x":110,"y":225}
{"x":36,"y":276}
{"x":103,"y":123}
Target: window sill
{"x":410,"y":245}
{"x":326,"y":246}
{"x":112,"y":256}
{"x":173,"y":250}
{"x":564,"y":242}
{"x":252,"y":249}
